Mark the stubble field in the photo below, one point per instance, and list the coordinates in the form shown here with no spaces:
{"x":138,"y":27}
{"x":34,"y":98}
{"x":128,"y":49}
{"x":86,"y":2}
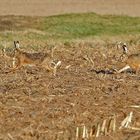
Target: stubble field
{"x":35,"y":104}
{"x":74,"y":104}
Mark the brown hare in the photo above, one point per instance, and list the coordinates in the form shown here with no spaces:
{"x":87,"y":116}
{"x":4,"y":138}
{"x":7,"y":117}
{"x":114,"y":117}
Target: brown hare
{"x":132,"y":61}
{"x":34,"y":59}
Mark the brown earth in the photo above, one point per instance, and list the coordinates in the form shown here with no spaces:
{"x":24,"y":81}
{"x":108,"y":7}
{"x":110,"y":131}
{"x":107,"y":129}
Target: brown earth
{"x":55,"y":7}
{"x":35,"y":105}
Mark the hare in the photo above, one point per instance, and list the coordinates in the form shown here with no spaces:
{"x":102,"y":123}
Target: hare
{"x":34,"y":59}
{"x":132,"y":61}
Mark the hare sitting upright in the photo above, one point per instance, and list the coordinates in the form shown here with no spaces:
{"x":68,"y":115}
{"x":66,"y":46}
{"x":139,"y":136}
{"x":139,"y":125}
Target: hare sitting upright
{"x":34,"y":59}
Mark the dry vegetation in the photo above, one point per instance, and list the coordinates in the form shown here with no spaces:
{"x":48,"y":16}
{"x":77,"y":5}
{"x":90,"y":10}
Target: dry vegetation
{"x":85,"y":100}
{"x":36,"y":105}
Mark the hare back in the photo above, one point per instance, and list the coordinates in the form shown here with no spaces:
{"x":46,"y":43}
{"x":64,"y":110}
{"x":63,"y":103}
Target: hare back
{"x":134,"y":61}
{"x":137,"y":55}
{"x":33,"y":58}
{"x":135,"y":58}
{"x":36,"y":56}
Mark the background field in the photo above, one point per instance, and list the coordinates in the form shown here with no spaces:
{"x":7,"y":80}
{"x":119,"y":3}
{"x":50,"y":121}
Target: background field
{"x":55,"y":7}
{"x":34,"y":104}
{"x":67,"y":27}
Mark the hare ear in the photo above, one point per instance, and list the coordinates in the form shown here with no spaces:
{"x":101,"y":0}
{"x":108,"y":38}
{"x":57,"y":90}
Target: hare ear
{"x":16,"y":44}
{"x":125,"y":49}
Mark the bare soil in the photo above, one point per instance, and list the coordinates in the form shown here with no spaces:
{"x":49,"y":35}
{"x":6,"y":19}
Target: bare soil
{"x":55,"y":7}
{"x":35,"y":105}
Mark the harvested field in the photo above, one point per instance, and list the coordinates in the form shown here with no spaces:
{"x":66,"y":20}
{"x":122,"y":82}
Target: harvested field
{"x":86,"y":99}
{"x":36,"y":105}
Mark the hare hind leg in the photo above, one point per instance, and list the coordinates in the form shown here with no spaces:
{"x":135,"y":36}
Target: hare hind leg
{"x":53,"y":69}
{"x":124,"y":69}
{"x":56,"y":66}
{"x":47,"y":66}
{"x":49,"y":69}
